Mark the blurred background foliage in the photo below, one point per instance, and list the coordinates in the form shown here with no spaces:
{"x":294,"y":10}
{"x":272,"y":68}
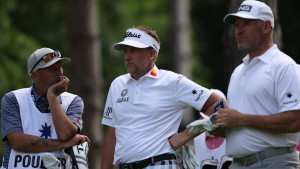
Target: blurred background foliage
{"x":28,"y":25}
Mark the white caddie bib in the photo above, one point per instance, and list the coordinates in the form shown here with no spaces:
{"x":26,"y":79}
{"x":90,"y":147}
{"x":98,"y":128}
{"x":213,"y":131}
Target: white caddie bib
{"x":38,"y":124}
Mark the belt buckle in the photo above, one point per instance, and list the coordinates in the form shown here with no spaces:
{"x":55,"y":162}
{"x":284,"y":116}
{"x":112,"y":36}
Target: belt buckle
{"x":126,"y":166}
{"x":241,"y":162}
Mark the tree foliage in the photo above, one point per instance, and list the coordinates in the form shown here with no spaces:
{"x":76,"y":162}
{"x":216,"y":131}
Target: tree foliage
{"x":15,"y":46}
{"x":25,"y":26}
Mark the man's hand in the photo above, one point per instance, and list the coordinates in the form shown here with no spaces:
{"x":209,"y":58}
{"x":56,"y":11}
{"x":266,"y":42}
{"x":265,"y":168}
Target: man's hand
{"x":76,"y":139}
{"x":59,"y":87}
{"x":229,"y":118}
{"x":194,"y":129}
{"x":179,"y":139}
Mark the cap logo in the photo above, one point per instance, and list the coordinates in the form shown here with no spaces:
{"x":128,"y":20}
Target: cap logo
{"x":245,"y":8}
{"x":142,"y":37}
{"x":130,"y":34}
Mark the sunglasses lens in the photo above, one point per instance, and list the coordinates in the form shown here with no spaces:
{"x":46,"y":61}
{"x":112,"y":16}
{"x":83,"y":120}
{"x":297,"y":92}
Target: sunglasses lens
{"x":57,"y":54}
{"x":47,"y":58}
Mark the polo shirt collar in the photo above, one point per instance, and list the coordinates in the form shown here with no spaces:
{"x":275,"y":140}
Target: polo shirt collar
{"x":153,"y":73}
{"x":266,"y":57}
{"x":38,"y":97}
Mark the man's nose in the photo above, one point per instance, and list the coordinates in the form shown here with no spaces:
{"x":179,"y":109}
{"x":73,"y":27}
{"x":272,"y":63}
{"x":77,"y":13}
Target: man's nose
{"x":59,"y":71}
{"x":239,"y":30}
{"x":127,"y":56}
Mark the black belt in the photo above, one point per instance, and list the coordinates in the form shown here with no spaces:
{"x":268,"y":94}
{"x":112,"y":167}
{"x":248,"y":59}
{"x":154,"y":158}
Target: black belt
{"x":146,"y":162}
{"x":268,"y":153}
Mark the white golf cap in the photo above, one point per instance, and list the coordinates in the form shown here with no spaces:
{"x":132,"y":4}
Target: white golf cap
{"x":36,"y":62}
{"x":139,"y":39}
{"x":251,"y":9}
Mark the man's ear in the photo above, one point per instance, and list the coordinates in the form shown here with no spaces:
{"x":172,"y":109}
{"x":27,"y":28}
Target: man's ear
{"x":267,"y":26}
{"x":34,"y":75}
{"x":152,"y":53}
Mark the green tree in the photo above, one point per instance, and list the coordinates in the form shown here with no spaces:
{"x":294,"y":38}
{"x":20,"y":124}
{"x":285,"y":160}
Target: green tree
{"x":15,"y":48}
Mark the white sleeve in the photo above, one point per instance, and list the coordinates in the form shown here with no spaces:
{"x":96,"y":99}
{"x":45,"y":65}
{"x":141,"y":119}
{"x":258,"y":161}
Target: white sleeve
{"x":107,"y":118}
{"x":287,"y":89}
{"x":191,"y":94}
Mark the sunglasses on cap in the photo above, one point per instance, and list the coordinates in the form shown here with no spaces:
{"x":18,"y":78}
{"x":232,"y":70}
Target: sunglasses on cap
{"x":47,"y":58}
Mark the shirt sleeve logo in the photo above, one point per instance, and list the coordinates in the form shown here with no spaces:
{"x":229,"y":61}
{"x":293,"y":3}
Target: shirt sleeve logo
{"x":289,"y":98}
{"x":107,"y":112}
{"x":289,"y":95}
{"x":198,"y":94}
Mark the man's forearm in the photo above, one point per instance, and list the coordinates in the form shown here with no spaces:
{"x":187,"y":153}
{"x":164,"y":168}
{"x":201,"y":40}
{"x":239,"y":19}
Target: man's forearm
{"x":284,"y":122}
{"x":33,"y":144}
{"x":108,"y":149}
{"x":179,"y":139}
{"x":64,"y":127}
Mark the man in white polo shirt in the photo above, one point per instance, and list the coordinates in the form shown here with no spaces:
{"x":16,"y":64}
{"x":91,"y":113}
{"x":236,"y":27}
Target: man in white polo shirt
{"x":263,"y":118}
{"x":144,"y":107}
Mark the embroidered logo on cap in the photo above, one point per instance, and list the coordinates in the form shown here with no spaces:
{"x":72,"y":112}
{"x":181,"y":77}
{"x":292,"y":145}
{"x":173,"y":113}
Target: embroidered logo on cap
{"x":130,"y":34}
{"x":246,"y":8}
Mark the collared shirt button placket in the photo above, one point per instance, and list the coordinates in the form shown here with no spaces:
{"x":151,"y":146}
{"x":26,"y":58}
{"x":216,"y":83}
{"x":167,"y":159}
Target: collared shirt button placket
{"x":136,"y":89}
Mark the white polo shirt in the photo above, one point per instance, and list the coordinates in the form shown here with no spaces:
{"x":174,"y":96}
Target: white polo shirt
{"x":269,"y":84}
{"x":145,"y":113}
{"x":202,"y":152}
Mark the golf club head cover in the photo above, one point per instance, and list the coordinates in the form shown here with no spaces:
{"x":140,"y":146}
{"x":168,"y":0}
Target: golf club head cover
{"x":50,"y":161}
{"x":78,"y":155}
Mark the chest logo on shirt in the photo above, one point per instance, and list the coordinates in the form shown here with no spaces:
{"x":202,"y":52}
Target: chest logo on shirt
{"x":46,"y":131}
{"x":290,"y":99}
{"x":154,"y":72}
{"x":197,"y":94}
{"x":123,"y":98}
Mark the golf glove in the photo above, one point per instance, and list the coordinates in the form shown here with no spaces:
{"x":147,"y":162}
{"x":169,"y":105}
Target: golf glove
{"x":187,"y":157}
{"x":201,"y":126}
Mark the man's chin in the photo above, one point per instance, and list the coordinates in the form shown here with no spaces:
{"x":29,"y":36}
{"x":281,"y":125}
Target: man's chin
{"x":129,"y":69}
{"x":243,"y":48}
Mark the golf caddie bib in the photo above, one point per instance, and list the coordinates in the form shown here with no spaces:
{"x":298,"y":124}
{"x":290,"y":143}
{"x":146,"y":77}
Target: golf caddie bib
{"x":39,"y":124}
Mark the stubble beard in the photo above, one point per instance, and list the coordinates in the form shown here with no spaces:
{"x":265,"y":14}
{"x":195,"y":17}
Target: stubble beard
{"x":249,"y":47}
